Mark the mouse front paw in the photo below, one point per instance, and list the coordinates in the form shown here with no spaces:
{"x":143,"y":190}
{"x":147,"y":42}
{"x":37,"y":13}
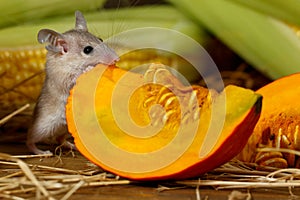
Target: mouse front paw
{"x":69,"y":145}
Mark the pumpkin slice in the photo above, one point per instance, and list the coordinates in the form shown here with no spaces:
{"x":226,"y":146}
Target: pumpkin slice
{"x":152,"y":127}
{"x":278,"y":125}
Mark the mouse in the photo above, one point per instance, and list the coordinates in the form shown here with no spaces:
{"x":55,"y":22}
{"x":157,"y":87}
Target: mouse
{"x":69,"y":55}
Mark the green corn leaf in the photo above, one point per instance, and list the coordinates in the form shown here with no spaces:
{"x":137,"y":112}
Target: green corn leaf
{"x":14,"y":12}
{"x":105,"y":24}
{"x":286,"y":10}
{"x":268,"y":44}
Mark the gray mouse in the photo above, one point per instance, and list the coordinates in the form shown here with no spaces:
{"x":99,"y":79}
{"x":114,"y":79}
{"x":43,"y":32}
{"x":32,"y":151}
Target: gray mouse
{"x":69,"y":55}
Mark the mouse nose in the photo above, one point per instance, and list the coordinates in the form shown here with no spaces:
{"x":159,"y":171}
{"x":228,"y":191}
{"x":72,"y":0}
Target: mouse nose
{"x":110,"y":56}
{"x":114,"y":59}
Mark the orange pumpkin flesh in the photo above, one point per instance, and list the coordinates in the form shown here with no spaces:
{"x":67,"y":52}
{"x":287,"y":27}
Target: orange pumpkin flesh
{"x":279,"y":111}
{"x":92,"y":108}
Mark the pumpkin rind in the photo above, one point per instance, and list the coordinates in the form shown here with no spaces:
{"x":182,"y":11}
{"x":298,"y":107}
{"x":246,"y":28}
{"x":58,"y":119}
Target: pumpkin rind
{"x":242,"y":113}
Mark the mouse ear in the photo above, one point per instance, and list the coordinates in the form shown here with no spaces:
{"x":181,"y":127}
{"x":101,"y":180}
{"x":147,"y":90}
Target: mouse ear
{"x":80,"y":22}
{"x":57,"y":42}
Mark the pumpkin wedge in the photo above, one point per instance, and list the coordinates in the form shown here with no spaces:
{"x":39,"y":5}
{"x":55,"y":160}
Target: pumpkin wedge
{"x":152,"y":127}
{"x":277,"y":130}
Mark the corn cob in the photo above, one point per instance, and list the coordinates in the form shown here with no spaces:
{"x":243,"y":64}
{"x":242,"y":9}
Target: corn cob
{"x":268,"y":44}
{"x":22,"y":59}
{"x":20,"y":76}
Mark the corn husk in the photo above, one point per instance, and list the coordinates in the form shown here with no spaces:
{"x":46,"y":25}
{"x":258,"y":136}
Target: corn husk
{"x":288,"y":10}
{"x":15,"y":12}
{"x":267,"y":43}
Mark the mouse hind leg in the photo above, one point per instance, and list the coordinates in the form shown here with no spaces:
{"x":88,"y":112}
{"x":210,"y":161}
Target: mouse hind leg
{"x":49,"y":129}
{"x":43,"y":131}
{"x":33,"y":138}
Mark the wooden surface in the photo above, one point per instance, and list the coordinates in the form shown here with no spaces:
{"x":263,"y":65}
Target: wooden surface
{"x":136,"y":191}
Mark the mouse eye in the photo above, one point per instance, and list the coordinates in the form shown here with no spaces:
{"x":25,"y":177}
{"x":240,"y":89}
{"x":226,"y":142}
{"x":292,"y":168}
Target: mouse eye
{"x":88,"y":49}
{"x":100,"y":39}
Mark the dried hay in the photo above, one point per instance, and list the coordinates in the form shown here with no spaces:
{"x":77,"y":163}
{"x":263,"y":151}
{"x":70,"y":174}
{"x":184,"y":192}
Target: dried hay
{"x":45,"y":182}
{"x":11,"y":115}
{"x":239,"y":175}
